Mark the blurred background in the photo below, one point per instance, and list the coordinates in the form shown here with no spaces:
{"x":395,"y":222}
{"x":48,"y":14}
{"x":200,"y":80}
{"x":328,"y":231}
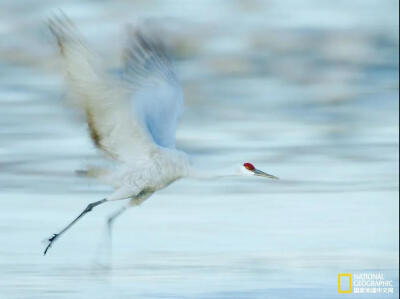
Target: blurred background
{"x":306,"y":90}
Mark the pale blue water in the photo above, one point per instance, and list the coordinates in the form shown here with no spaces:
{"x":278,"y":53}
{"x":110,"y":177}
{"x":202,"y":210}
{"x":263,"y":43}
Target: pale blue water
{"x":307,"y":91}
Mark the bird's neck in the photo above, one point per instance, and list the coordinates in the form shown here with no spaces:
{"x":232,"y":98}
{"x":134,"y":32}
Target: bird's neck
{"x":207,"y":173}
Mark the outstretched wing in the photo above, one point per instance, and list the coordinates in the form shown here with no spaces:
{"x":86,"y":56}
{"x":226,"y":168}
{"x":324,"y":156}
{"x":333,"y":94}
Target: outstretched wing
{"x":157,"y":94}
{"x":104,"y":100}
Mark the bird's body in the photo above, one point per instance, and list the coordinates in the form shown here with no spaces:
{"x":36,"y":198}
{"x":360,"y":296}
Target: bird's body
{"x":161,"y":168}
{"x":132,"y":120}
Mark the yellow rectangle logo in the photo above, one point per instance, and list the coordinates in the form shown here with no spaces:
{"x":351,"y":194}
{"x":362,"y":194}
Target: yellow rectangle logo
{"x":339,"y":286}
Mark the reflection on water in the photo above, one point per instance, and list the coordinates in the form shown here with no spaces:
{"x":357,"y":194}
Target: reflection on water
{"x":307,"y":93}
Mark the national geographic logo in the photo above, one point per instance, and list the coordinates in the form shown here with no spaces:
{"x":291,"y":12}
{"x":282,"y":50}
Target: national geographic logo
{"x":364,"y":283}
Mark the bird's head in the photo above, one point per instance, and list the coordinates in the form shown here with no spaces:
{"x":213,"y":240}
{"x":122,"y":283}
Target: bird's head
{"x":249,"y":169}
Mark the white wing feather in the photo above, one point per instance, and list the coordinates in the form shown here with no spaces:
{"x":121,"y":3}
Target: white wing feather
{"x":104,"y":100}
{"x":157,"y":95}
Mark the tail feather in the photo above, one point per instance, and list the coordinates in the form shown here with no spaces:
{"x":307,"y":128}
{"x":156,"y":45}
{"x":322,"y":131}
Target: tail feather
{"x":93,"y":172}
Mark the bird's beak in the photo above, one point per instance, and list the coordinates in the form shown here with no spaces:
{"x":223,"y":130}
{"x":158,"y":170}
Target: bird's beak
{"x":264,"y":174}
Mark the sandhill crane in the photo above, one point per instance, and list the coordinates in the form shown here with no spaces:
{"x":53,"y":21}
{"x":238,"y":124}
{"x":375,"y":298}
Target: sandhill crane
{"x":132,"y":119}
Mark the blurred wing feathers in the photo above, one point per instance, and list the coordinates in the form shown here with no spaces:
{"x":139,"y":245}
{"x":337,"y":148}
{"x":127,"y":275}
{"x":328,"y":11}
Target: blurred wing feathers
{"x":157,"y":95}
{"x":104,"y":100}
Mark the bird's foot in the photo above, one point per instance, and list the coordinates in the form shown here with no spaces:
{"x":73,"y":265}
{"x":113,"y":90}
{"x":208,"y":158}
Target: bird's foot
{"x":50,"y":242}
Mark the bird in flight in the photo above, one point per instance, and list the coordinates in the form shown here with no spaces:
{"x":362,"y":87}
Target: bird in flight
{"x":132,"y":118}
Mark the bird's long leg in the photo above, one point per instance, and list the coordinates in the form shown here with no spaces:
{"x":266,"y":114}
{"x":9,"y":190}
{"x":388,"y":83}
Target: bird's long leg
{"x":112,"y":217}
{"x":135,"y":201}
{"x":54,"y":237}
